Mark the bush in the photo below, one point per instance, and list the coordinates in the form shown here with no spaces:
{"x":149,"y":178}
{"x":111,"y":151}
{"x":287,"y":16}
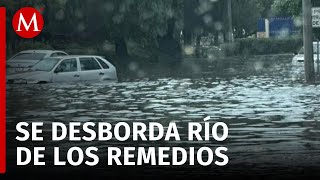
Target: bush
{"x":211,"y":52}
{"x":262,"y":46}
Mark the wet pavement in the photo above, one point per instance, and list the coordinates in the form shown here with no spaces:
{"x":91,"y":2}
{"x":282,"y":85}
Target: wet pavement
{"x":273,"y":117}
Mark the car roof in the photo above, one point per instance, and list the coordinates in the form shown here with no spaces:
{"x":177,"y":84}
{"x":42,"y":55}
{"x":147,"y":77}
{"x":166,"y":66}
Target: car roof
{"x":40,"y":51}
{"x":77,"y":56}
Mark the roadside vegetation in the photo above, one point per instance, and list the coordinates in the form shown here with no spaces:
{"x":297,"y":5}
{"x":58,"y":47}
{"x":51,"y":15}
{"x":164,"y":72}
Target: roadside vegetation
{"x":153,"y":31}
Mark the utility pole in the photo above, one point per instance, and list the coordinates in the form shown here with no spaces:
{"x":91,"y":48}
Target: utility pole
{"x":230,"y":28}
{"x":308,"y":42}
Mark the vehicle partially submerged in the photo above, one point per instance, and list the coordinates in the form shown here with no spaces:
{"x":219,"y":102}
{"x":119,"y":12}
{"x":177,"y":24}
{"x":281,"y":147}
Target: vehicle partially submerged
{"x":24,"y":60}
{"x":66,"y":69}
{"x":298,"y":59}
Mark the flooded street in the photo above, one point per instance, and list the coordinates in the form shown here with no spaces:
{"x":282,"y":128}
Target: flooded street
{"x":273,"y":119}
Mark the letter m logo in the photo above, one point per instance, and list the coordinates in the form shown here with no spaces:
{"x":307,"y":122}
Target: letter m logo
{"x":27,"y":22}
{"x":27,"y":26}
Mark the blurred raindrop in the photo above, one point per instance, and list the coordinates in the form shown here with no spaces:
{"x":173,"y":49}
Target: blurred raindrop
{"x":108,"y":6}
{"x":284,"y":32}
{"x":133,"y":66}
{"x":107,"y":46}
{"x":60,"y":15}
{"x":189,"y":50}
{"x":141,"y":74}
{"x":62,"y":2}
{"x":204,"y":7}
{"x":79,"y":13}
{"x":117,"y":19}
{"x":211,"y":57}
{"x":123,"y":8}
{"x":298,"y":21}
{"x":218,"y":26}
{"x":146,"y":15}
{"x":258,"y":65}
{"x":81,"y":27}
{"x":170,"y":13}
{"x":195,"y":68}
{"x":207,"y":19}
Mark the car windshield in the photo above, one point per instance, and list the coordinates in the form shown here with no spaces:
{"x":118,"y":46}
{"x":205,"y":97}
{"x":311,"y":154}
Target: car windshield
{"x":29,"y":56}
{"x":46,"y":65}
{"x":315,"y":49}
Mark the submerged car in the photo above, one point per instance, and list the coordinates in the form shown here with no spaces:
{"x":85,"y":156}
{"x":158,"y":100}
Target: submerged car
{"x":24,"y":60}
{"x":66,"y":69}
{"x":298,"y":60}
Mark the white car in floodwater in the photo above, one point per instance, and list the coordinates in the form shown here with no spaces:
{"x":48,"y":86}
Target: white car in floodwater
{"x":24,"y":60}
{"x":66,"y":69}
{"x":298,"y":60}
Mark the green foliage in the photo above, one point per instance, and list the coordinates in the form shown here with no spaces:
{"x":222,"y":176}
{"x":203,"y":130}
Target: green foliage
{"x":265,"y":8}
{"x":231,"y":49}
{"x":211,"y":52}
{"x":245,"y":16}
{"x":142,"y":21}
{"x":262,"y":46}
{"x":246,"y":13}
{"x":287,"y":8}
{"x":92,"y":23}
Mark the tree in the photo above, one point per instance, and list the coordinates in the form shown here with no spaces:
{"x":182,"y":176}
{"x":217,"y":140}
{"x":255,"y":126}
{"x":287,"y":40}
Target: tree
{"x":205,"y":16}
{"x":265,"y":8}
{"x":191,"y":20}
{"x":144,"y":21}
{"x":293,"y":8}
{"x":245,"y":16}
{"x":141,"y":21}
{"x":286,"y":8}
{"x":93,"y":22}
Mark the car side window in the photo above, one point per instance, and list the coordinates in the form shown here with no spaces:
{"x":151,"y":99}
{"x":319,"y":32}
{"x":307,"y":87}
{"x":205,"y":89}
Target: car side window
{"x":61,"y":54}
{"x":89,"y":64}
{"x":54,"y":55}
{"x":29,"y":56}
{"x":68,"y":65}
{"x":58,"y":54}
{"x":301,"y":51}
{"x":103,"y":64}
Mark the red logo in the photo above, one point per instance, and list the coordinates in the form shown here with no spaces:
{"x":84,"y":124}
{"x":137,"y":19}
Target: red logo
{"x":27,"y":22}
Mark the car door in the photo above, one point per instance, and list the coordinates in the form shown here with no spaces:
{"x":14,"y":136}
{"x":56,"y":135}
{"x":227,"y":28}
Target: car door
{"x":67,"y":71}
{"x":109,"y":70}
{"x":90,"y":69}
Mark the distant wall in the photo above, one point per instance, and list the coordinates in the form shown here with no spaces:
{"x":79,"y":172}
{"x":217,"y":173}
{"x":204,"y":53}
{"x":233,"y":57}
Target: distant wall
{"x":277,"y":27}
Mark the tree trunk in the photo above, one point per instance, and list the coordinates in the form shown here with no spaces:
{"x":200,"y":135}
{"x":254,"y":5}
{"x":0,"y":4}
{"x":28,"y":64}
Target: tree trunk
{"x":229,"y":35}
{"x":216,"y":38}
{"x":121,"y":47}
{"x":191,"y":20}
{"x":198,"y":46}
{"x":187,"y":37}
{"x":308,"y":45}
